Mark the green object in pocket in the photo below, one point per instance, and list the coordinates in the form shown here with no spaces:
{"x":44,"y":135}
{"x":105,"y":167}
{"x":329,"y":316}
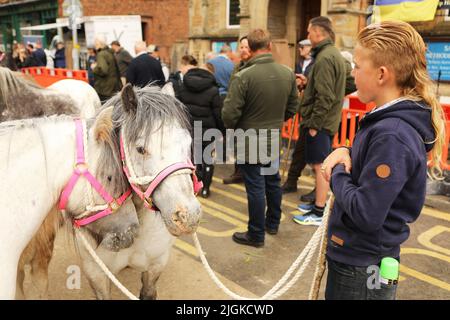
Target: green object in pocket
{"x":389,"y":268}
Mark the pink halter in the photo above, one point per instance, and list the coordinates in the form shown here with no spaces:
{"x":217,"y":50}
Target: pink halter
{"x":81,"y":169}
{"x":146,"y":196}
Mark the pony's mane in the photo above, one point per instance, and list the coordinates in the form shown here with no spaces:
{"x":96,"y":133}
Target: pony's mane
{"x":155,"y":110}
{"x":109,"y":163}
{"x":21,"y":98}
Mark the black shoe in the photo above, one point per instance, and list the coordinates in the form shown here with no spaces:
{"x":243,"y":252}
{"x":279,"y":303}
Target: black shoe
{"x":271,"y":231}
{"x":309,"y":197}
{"x":205,"y":193}
{"x":288,"y":187}
{"x":243,"y":238}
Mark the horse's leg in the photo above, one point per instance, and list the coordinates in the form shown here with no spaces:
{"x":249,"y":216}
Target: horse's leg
{"x":149,"y":279}
{"x":151,"y":276}
{"x":98,"y":280}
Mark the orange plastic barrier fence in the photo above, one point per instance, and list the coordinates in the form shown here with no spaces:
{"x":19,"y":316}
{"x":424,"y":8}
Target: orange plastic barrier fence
{"x":46,"y":77}
{"x":349,"y":125}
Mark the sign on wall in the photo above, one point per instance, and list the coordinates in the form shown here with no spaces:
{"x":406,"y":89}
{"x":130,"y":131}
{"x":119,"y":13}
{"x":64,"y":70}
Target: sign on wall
{"x":438,"y":60}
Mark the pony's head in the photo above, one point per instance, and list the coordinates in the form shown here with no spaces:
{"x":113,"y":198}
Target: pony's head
{"x":155,"y":131}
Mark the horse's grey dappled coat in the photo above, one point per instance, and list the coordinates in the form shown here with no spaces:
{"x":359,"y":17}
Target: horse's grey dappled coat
{"x":21,"y":98}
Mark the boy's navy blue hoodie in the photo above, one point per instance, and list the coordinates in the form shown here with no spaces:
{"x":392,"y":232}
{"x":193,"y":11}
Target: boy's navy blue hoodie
{"x":386,"y":187}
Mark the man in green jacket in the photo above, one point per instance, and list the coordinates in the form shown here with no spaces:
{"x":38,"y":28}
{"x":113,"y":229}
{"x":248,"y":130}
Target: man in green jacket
{"x":106,"y":73}
{"x":245,"y":55}
{"x":321,"y":110}
{"x":260,"y":98}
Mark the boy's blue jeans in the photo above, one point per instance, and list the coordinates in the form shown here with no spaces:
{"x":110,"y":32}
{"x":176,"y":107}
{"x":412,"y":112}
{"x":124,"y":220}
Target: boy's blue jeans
{"x":260,"y":188}
{"x":347,"y":282}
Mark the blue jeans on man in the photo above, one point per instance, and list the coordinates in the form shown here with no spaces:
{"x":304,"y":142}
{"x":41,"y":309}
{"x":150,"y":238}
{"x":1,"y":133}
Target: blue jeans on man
{"x":262,"y":188}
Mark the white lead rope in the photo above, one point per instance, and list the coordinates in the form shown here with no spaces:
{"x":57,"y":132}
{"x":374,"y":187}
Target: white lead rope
{"x":281,"y":287}
{"x":104,"y":268}
{"x":278,"y":290}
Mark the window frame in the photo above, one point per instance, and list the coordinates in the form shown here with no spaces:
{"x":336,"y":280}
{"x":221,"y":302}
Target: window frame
{"x":231,"y":26}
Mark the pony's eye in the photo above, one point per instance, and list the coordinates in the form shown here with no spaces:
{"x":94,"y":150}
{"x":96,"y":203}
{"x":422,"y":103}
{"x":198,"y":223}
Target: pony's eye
{"x":141,"y":150}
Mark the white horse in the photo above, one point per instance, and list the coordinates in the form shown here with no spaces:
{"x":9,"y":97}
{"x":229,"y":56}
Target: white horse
{"x":22,"y":98}
{"x":37,"y":158}
{"x":165,"y":140}
{"x":178,"y":211}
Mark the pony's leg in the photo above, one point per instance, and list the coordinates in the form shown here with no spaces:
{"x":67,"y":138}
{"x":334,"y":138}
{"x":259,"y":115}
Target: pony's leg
{"x":149,"y":279}
{"x":98,"y":281}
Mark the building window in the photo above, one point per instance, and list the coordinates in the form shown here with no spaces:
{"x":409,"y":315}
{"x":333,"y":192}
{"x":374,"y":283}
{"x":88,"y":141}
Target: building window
{"x":233,"y":14}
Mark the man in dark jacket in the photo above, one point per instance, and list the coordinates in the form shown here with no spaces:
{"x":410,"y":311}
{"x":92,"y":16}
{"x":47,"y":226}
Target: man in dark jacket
{"x":40,"y":55}
{"x":321,"y":109}
{"x":144,"y":69}
{"x":260,"y":97}
{"x":106,"y":73}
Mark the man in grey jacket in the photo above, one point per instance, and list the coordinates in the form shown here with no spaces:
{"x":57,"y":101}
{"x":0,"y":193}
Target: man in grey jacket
{"x":260,"y":98}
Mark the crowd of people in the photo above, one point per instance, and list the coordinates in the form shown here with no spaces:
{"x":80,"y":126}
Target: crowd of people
{"x":377,"y":191}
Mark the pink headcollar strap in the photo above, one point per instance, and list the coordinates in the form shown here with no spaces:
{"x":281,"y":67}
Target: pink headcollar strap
{"x":81,"y":169}
{"x":146,"y":196}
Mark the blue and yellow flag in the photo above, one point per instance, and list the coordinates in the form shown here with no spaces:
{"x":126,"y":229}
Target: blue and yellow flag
{"x":409,"y":10}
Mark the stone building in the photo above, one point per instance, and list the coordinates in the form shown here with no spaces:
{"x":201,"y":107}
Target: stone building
{"x":164,"y":23}
{"x":215,"y":22}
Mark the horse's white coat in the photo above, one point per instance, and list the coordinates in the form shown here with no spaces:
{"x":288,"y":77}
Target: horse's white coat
{"x":82,"y":93}
{"x":37,"y":158}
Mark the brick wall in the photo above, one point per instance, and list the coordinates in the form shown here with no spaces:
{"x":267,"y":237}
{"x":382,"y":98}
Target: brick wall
{"x":167,"y":21}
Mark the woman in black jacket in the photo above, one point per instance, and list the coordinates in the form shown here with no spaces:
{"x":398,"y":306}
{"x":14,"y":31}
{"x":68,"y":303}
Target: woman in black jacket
{"x":199,"y":91}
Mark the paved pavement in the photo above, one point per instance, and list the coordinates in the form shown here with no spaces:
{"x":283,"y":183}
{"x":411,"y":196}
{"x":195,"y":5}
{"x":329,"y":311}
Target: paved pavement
{"x":251,"y":272}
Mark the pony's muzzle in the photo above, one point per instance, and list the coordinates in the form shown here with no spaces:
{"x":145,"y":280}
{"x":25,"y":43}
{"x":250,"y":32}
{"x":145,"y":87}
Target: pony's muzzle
{"x":185,"y":220}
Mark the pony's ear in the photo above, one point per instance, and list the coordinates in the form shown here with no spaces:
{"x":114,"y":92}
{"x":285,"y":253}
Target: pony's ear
{"x":103,"y":125}
{"x":129,"y":99}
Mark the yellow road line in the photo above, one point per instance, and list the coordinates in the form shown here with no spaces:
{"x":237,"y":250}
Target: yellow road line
{"x":425,"y":239}
{"x":244,"y":200}
{"x":436,"y":213}
{"x":237,"y":198}
{"x":425,"y":253}
{"x":223,"y":216}
{"x":186,"y":247}
{"x":424,"y":277}
{"x":421,"y":276}
{"x":231,"y":212}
